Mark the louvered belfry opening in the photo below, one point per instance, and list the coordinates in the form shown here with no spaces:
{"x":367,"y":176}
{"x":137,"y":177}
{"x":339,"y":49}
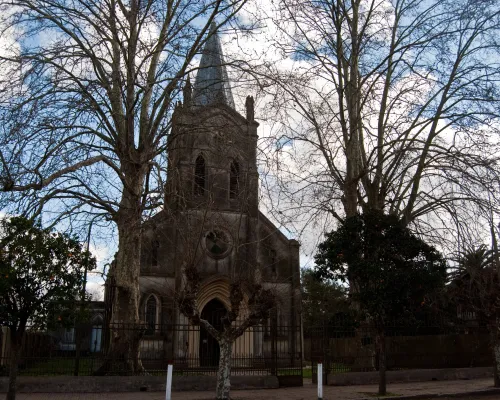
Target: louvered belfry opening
{"x":199,"y":176}
{"x":234,"y":180}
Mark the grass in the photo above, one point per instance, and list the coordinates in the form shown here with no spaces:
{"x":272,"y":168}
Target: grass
{"x":66,"y":366}
{"x":336,"y":368}
{"x":59,"y":366}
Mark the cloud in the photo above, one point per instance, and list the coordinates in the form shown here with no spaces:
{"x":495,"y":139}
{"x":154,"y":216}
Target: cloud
{"x":96,"y":290}
{"x":101,"y":253}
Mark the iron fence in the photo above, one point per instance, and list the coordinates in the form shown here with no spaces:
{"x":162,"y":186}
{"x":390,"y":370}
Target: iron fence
{"x":353,"y":348}
{"x":261,"y":350}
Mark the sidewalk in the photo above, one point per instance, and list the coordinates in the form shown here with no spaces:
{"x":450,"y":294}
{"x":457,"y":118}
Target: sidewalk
{"x":476,"y":387}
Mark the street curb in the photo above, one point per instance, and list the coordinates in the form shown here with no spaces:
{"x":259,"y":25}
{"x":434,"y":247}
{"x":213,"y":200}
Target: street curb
{"x":476,"y":393}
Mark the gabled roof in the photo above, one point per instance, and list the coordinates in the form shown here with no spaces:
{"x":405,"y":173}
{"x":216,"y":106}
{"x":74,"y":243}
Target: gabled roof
{"x":212,"y":85}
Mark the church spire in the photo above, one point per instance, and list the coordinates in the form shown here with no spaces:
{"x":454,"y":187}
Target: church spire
{"x":212,"y":85}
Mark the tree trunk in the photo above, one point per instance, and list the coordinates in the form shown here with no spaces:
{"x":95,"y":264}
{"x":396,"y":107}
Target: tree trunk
{"x":382,"y":364}
{"x":496,"y":354}
{"x":125,"y":327}
{"x":16,"y":340}
{"x":224,"y":372}
{"x":14,"y":360}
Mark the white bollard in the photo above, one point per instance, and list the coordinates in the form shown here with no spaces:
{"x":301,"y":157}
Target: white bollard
{"x":320,"y":381}
{"x":169,"y":382}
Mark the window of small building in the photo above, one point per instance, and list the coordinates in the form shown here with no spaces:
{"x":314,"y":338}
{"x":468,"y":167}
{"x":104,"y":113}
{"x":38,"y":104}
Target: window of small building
{"x":69,"y":335}
{"x":200,"y":176}
{"x":234,"y":180}
{"x":96,"y":334}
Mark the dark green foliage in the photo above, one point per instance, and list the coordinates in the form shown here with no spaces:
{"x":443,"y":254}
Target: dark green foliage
{"x":41,"y":274}
{"x":389,"y":270}
{"x":471,"y":263}
{"x":474,"y":289}
{"x":324,"y":302}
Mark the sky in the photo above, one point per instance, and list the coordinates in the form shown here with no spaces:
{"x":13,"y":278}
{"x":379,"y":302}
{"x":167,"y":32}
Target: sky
{"x":256,"y":47}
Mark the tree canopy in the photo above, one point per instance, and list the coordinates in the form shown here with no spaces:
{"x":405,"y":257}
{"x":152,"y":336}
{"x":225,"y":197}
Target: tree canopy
{"x":388,"y":105}
{"x":86,"y":113}
{"x":389,"y":270}
{"x":324,"y":301}
{"x":41,"y":272}
{"x":41,"y":277}
{"x":474,"y":287}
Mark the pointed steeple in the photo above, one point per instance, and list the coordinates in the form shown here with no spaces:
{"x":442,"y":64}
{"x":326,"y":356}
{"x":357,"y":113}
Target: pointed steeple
{"x":212,"y":85}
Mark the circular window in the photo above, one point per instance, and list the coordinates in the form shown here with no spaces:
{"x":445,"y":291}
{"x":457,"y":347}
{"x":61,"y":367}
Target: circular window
{"x":217,"y":243}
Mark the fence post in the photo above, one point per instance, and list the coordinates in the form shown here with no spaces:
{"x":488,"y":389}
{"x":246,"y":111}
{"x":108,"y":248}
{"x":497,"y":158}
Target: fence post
{"x":274,"y":343}
{"x":78,"y":345}
{"x":320,"y":380}
{"x":169,"y":382}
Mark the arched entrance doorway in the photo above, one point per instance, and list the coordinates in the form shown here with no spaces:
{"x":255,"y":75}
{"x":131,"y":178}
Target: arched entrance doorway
{"x":213,"y":312}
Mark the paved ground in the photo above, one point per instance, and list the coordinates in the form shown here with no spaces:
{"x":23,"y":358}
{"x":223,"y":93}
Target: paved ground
{"x":476,"y":387}
{"x":482,"y":397}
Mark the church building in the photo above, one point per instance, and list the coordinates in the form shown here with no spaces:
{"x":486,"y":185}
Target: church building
{"x":211,"y":218}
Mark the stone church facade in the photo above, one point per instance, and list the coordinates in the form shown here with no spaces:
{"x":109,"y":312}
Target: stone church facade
{"x":211,"y":218}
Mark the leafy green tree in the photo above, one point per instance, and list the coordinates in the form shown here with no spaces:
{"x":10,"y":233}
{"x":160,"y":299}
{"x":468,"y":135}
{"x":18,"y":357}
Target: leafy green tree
{"x":41,"y":273}
{"x":471,"y":262}
{"x":324,"y":301}
{"x":390,"y":271}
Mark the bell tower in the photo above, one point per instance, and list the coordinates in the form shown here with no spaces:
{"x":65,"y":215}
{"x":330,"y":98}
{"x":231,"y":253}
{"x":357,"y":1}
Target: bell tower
{"x":212,"y":149}
{"x":211,"y":218}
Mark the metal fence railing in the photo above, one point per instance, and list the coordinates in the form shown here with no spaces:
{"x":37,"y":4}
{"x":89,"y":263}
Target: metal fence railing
{"x":259,"y":351}
{"x":353,"y":348}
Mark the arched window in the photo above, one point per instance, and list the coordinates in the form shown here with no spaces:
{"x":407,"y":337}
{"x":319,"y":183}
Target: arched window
{"x":199,"y":176}
{"x":234,"y":180}
{"x":151,"y":314}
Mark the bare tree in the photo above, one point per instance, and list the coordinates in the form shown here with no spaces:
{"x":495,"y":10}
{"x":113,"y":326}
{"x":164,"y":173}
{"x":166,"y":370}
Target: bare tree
{"x":241,"y":316}
{"x":388,"y":105}
{"x":85,"y":110}
{"x":251,"y":301}
{"x":475,"y":274}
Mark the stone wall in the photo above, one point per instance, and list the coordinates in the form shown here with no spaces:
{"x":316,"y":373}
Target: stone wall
{"x":101,"y":384}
